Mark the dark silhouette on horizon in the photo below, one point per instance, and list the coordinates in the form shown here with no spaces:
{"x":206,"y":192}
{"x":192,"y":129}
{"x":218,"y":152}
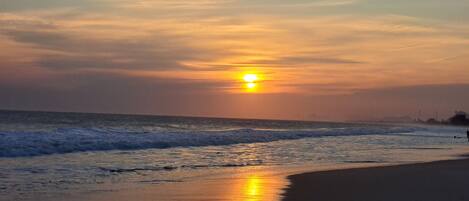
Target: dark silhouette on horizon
{"x":459,"y":118}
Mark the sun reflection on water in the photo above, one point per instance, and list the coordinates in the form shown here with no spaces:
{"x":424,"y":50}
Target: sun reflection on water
{"x":257,"y":187}
{"x":253,"y":188}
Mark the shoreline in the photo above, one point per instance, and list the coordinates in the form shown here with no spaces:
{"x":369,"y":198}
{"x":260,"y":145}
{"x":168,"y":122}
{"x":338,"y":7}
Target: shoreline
{"x":249,"y":183}
{"x":438,"y":180}
{"x":260,"y":182}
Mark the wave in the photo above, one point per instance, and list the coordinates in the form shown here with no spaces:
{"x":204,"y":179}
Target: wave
{"x":70,"y":140}
{"x":171,"y":168}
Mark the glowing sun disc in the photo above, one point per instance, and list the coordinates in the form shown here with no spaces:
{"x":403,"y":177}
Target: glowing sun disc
{"x":250,"y":78}
{"x":251,"y":85}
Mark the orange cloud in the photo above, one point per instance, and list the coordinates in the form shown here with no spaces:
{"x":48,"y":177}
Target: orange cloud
{"x":338,"y":51}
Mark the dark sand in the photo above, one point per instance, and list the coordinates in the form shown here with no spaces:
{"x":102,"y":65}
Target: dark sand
{"x":435,"y":181}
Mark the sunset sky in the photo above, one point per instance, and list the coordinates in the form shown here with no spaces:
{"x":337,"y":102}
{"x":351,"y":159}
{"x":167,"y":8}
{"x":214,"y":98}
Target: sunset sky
{"x":314,"y":59}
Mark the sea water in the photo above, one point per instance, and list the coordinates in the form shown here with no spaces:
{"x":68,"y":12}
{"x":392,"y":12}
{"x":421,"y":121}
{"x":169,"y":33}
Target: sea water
{"x":55,"y":155}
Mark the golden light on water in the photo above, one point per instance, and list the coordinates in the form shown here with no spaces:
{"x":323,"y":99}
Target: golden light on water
{"x":258,"y":187}
{"x":247,"y":184}
{"x":253,"y":188}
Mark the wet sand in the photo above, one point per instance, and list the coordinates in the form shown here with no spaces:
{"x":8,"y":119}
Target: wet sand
{"x":435,"y":181}
{"x":245,"y":184}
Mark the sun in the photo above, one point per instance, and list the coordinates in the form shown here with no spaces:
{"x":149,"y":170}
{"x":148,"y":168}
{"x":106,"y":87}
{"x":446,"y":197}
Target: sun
{"x":250,"y":81}
{"x":251,"y":85}
{"x":250,"y":78}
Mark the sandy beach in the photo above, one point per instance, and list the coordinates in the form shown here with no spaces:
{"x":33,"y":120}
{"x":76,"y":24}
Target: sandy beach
{"x":234,"y":100}
{"x":435,"y":181}
{"x":121,"y":158}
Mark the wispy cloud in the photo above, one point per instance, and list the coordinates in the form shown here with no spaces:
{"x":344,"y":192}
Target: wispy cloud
{"x":218,"y":39}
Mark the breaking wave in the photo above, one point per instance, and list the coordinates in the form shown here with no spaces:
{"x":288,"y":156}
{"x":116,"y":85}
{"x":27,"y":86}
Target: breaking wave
{"x":70,"y":140}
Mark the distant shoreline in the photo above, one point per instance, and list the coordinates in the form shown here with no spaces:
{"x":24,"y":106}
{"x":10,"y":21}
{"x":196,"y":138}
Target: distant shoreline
{"x":433,"y":181}
{"x":174,"y":116}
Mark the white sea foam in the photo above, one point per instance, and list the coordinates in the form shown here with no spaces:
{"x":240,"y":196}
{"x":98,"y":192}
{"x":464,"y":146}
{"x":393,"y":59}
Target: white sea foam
{"x":69,"y":140}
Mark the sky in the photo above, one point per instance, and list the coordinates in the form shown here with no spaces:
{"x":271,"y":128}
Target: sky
{"x":324,"y":60}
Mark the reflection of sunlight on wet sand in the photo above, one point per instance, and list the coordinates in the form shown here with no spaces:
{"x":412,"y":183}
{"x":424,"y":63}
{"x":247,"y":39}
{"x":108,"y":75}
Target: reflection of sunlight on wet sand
{"x":245,"y":184}
{"x":255,"y":183}
{"x":256,"y":187}
{"x":253,"y":188}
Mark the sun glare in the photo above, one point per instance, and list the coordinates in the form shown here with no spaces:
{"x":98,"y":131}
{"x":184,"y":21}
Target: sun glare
{"x":250,"y":78}
{"x":251,"y":85}
{"x":250,"y":82}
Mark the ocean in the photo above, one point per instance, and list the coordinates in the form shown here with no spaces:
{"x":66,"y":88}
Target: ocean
{"x":53,"y":156}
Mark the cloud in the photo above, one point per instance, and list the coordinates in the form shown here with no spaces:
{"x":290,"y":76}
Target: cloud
{"x":175,"y":4}
{"x":68,"y":50}
{"x":44,"y":39}
{"x":170,"y":49}
{"x":313,"y":59}
{"x":315,"y":3}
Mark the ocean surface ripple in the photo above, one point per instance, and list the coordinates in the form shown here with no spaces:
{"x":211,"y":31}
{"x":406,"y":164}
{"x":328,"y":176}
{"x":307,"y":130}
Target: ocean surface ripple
{"x":69,"y":140}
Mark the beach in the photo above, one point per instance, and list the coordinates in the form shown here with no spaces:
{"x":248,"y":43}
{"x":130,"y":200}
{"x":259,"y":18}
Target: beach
{"x":100,"y":157}
{"x":430,"y":181}
{"x":234,"y":100}
{"x":434,"y":181}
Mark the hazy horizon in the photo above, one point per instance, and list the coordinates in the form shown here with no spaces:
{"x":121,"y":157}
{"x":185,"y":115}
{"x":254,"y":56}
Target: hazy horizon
{"x":322,"y":60}
{"x":433,"y":104}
